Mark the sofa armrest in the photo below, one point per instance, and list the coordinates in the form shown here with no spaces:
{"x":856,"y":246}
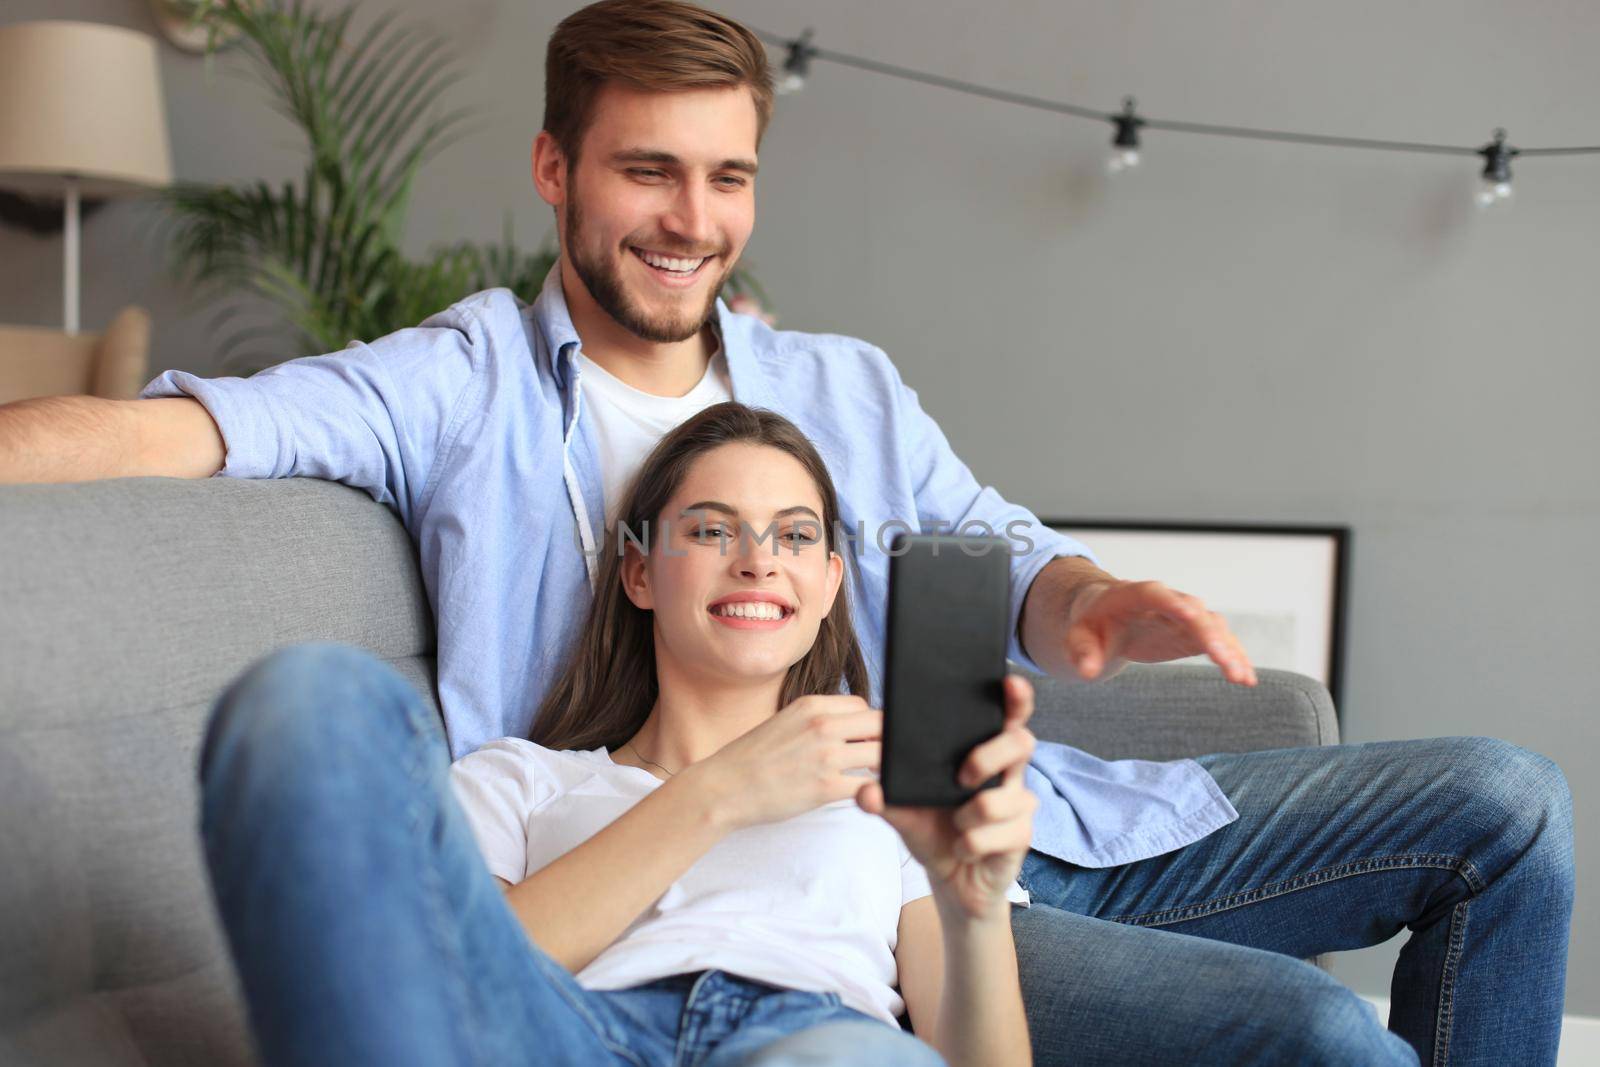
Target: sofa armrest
{"x":121,"y":363}
{"x":1172,"y":711}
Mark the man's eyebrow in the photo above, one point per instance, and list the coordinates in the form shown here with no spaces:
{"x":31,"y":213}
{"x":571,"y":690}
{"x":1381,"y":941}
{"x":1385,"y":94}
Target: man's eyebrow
{"x":667,"y":159}
{"x":730,"y":510}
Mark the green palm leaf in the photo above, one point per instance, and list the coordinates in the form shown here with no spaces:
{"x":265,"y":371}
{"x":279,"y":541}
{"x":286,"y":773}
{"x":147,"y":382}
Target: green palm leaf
{"x":324,"y":251}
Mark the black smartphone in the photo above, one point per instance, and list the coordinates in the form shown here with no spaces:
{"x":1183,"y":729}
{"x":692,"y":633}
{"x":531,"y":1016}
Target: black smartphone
{"x":945,"y":663}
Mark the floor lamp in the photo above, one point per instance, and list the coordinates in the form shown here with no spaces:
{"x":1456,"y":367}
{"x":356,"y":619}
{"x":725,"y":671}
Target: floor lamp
{"x":81,"y":115}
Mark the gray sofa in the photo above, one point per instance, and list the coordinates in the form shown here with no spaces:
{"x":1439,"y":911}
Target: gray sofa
{"x":125,"y":608}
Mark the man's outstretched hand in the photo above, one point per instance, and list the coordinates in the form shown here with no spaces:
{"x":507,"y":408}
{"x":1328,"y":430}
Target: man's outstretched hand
{"x":1147,"y":622}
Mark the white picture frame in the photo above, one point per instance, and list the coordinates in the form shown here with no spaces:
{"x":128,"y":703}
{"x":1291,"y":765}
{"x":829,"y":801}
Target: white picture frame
{"x":1282,"y":588}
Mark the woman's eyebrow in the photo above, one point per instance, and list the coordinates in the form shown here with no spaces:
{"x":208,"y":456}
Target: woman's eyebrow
{"x":733,"y":512}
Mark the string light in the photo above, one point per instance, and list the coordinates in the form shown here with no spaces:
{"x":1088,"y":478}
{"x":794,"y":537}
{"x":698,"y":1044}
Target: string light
{"x":1497,"y":155}
{"x":797,"y":65}
{"x":1125,"y":142}
{"x":1496,"y":170}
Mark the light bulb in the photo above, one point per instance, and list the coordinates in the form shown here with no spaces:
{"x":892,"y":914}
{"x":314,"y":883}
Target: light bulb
{"x":1491,"y":192}
{"x":1125,"y":142}
{"x":1496,"y":174}
{"x":796,"y":66}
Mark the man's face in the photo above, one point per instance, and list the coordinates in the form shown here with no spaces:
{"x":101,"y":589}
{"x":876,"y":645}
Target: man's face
{"x":668,"y":178}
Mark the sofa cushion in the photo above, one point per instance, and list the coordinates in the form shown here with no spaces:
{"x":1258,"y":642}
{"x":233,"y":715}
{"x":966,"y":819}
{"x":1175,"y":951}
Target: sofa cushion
{"x":129,"y":605}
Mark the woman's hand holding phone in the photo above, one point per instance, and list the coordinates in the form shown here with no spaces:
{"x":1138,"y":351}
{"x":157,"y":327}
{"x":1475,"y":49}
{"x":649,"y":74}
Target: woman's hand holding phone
{"x":972,"y":853}
{"x":794,"y":761}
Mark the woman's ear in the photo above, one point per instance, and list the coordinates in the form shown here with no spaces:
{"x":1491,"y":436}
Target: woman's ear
{"x":835,"y":579}
{"x":636,"y":578}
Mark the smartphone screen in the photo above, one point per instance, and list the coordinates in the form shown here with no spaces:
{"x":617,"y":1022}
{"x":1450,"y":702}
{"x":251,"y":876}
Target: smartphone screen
{"x":945,"y":662}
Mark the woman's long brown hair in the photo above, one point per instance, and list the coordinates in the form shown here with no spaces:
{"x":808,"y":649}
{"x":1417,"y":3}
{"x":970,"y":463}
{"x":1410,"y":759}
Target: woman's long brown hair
{"x":608,"y":686}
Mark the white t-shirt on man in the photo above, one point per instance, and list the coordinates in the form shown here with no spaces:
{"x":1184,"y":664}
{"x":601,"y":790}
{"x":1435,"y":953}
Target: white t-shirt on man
{"x":810,"y":903}
{"x":630,"y":422}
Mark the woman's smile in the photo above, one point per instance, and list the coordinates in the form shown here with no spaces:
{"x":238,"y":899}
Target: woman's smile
{"x":752,"y":611}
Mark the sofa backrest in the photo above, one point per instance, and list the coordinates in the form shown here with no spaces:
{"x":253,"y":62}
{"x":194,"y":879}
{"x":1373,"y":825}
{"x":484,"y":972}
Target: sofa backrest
{"x":126,"y":606}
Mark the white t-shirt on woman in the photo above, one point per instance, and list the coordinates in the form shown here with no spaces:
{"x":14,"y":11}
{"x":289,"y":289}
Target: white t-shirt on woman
{"x":811,"y":903}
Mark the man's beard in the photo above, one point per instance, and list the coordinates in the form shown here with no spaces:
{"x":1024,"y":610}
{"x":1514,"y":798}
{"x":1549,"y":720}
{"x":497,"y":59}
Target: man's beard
{"x":603,"y":278}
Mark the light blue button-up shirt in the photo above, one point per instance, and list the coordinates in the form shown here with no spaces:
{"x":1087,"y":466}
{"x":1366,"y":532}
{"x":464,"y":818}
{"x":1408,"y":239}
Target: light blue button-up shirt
{"x":471,"y":427}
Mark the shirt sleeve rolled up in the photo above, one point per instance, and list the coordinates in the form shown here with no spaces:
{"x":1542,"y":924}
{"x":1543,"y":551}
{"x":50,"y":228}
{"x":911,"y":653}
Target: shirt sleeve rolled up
{"x":372,"y":416}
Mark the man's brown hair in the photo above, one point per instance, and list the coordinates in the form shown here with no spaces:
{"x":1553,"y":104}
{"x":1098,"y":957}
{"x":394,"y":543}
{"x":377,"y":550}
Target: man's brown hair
{"x":654,"y":45}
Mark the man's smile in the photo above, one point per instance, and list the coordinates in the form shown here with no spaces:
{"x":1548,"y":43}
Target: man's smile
{"x":673,"y":271}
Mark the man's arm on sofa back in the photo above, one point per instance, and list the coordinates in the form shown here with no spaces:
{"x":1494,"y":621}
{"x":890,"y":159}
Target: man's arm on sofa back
{"x":86,"y":438}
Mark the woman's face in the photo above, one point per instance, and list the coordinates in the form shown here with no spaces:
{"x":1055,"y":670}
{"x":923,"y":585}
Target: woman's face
{"x":739,"y":575}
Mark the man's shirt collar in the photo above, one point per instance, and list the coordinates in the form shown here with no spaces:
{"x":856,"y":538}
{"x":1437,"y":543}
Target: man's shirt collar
{"x":561,"y":339}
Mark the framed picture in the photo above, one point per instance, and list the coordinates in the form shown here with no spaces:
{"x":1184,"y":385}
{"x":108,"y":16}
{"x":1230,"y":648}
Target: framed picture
{"x":1282,"y":588}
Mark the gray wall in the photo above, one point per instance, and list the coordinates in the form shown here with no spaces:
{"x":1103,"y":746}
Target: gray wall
{"x":1236,"y":332}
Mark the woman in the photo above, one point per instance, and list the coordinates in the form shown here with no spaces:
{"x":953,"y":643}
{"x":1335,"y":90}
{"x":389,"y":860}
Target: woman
{"x":693,"y":830}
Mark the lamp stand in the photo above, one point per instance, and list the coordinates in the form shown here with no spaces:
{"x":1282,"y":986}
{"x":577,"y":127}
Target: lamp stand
{"x":69,"y":259}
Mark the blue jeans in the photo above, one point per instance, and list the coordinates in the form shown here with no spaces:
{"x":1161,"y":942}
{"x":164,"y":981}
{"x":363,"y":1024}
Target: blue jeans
{"x":1465,"y":841}
{"x":367,"y":930}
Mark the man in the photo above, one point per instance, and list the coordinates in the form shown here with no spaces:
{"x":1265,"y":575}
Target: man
{"x":501,"y":435}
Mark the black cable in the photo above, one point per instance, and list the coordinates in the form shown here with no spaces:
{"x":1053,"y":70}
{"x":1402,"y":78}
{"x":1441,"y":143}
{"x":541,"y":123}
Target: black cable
{"x":1025,"y":100}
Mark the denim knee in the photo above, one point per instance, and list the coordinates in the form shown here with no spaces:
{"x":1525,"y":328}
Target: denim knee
{"x":1521,"y":797}
{"x":308,"y":699}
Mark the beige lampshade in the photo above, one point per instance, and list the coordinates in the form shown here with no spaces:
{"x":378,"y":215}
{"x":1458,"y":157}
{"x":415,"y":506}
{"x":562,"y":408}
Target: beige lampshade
{"x":81,"y":99}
